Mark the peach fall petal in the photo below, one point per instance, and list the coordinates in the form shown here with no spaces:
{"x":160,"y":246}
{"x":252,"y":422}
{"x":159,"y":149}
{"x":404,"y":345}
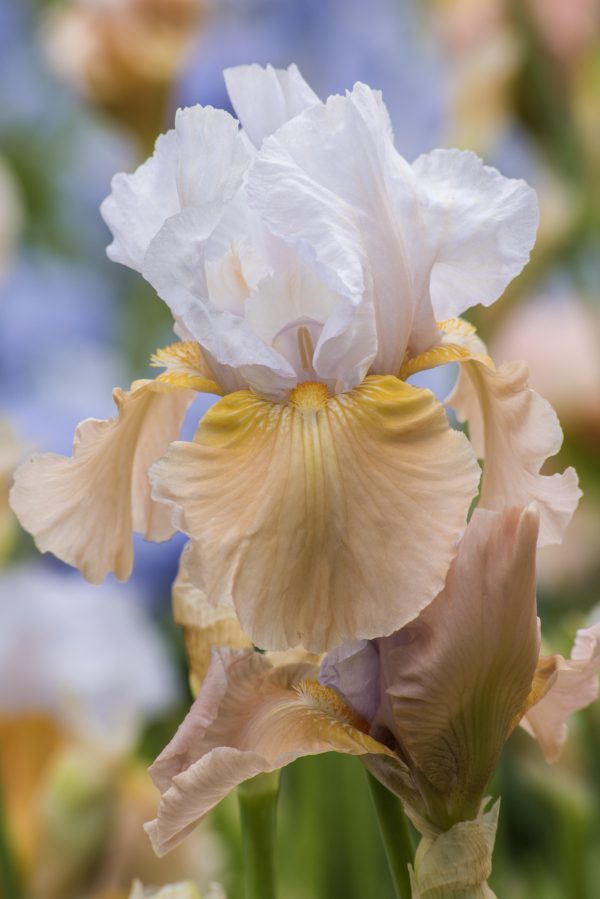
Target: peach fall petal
{"x":249,"y":718}
{"x":515,"y":430}
{"x":326,"y":518}
{"x":574,"y":688}
{"x":460,"y":674}
{"x":85,"y":508}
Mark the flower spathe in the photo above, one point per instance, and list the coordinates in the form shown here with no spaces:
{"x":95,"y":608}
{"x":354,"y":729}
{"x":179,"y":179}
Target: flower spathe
{"x":310,"y":270}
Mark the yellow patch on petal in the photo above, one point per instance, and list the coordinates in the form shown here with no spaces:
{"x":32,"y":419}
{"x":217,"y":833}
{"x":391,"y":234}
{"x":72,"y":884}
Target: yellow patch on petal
{"x":458,"y":343}
{"x":85,"y":508}
{"x":204,"y":625}
{"x":326,"y":520}
{"x":327,"y":700}
{"x":185,"y":366}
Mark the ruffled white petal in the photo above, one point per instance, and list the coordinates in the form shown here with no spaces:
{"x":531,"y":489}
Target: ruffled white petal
{"x":480,"y":225}
{"x":515,"y":430}
{"x":265,"y":98}
{"x":211,"y":157}
{"x":85,"y":508}
{"x":574,"y":688}
{"x":175,"y":267}
{"x":139,"y":204}
{"x":355,"y":212}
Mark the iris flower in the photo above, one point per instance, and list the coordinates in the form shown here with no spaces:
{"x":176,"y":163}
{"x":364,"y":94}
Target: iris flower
{"x":311,"y":270}
{"x":427,"y":709}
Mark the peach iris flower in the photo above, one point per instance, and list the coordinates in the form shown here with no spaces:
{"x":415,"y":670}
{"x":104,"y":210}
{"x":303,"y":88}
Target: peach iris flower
{"x":311,"y":270}
{"x":427,"y":709}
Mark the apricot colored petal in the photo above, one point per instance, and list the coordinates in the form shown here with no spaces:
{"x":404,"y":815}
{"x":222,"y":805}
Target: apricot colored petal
{"x":322,"y":522}
{"x":460,"y":674}
{"x":249,"y":718}
{"x":85,"y":508}
{"x":515,"y":430}
{"x":575,"y":687}
{"x":205,"y":626}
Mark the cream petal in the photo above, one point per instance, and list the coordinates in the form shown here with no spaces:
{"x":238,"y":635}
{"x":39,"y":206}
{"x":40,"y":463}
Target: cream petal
{"x":205,"y":626}
{"x":575,"y":687}
{"x":459,"y":676}
{"x":324,"y":519}
{"x":515,"y":430}
{"x":249,"y":718}
{"x":265,"y":98}
{"x":482,"y":226}
{"x":355,"y":210}
{"x":138,"y":204}
{"x":85,"y":508}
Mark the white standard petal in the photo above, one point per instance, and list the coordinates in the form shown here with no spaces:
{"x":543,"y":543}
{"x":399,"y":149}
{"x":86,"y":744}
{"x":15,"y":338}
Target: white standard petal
{"x":481,"y":225}
{"x":265,"y":98}
{"x":139,"y":204}
{"x":331,"y":184}
{"x":200,"y":162}
{"x":175,"y":266}
{"x":212,"y":157}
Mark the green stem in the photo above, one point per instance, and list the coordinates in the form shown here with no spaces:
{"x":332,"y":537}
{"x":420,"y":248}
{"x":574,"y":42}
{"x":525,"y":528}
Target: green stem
{"x":395,"y":834}
{"x":10,"y":887}
{"x":258,"y":811}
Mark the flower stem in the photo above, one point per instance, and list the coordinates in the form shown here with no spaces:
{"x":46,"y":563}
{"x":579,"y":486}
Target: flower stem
{"x":395,"y":834}
{"x":258,"y":811}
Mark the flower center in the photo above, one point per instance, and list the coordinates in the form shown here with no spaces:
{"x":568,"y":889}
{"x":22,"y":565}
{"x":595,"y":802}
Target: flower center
{"x":309,"y":395}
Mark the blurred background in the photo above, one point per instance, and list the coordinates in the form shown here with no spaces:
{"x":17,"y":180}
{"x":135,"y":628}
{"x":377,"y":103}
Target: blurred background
{"x":93,"y":679}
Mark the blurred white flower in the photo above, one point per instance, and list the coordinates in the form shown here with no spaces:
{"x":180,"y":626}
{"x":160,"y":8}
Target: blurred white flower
{"x":91,"y":658}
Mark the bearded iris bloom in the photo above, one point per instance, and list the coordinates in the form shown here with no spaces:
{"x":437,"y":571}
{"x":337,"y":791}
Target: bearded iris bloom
{"x":427,"y":709}
{"x":311,"y":270}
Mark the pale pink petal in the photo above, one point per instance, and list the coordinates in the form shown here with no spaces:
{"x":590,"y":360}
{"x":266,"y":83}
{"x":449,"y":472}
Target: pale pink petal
{"x":482,"y":227}
{"x":459,"y":676}
{"x":515,"y":430}
{"x":249,"y":718}
{"x":324,"y":519}
{"x":85,"y":508}
{"x":265,"y":98}
{"x":575,"y":687}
